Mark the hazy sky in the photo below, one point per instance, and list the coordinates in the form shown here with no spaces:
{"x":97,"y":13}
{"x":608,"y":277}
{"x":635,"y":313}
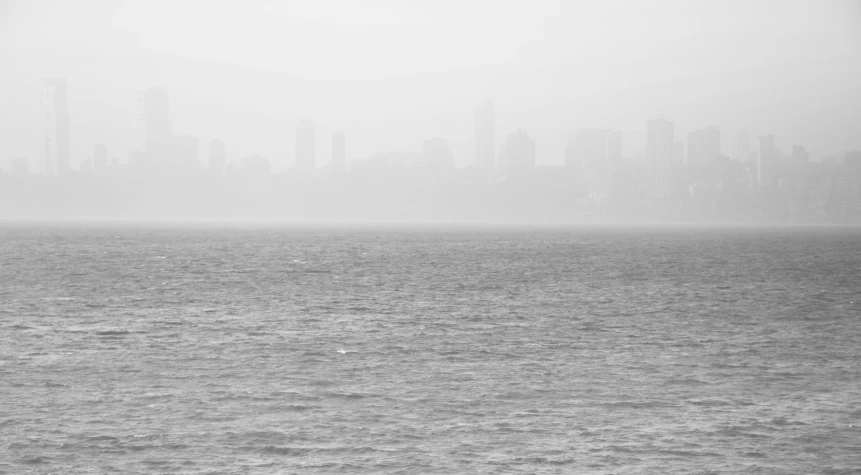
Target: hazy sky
{"x":391,"y":73}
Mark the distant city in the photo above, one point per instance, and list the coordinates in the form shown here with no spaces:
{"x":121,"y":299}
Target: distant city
{"x":675,"y":178}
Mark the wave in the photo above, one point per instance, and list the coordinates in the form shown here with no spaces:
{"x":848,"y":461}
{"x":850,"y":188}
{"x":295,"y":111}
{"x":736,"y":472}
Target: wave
{"x":637,"y":405}
{"x":113,"y":333}
{"x":684,"y":382}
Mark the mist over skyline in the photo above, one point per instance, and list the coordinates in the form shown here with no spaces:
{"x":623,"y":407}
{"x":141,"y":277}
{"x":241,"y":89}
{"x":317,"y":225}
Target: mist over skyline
{"x":390,"y":75}
{"x":430,"y":236}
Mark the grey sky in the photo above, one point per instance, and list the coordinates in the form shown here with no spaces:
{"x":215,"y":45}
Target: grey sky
{"x":391,"y":73}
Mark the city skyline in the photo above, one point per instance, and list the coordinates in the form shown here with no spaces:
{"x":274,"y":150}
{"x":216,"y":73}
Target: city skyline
{"x":558,"y":108}
{"x":430,"y":236}
{"x":156,"y":138}
{"x":784,"y":68}
{"x":676,"y":177}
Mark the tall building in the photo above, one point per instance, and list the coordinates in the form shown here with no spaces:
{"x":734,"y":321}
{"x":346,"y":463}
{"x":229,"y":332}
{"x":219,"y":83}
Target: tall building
{"x":55,"y":103}
{"x":844,"y":186}
{"x":217,"y":156}
{"x":800,"y":156}
{"x":766,"y":163}
{"x":594,"y":150}
{"x":660,"y":155}
{"x":255,"y":165}
{"x":184,"y":153}
{"x":437,"y":154}
{"x":100,"y":158}
{"x":678,"y":153}
{"x":19,"y":166}
{"x":485,"y":136}
{"x":850,"y":160}
{"x":660,"y":140}
{"x":339,"y":152}
{"x":742,"y":147}
{"x":518,"y":154}
{"x":155,"y":128}
{"x":703,"y":146}
{"x":306,"y":154}
{"x":614,"y":149}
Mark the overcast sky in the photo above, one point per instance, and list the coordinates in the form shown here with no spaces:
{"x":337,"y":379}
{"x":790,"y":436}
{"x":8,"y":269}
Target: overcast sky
{"x":391,"y":73}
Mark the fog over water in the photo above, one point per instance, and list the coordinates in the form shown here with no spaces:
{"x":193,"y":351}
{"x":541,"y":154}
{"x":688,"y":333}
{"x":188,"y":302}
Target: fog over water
{"x":414,"y":236}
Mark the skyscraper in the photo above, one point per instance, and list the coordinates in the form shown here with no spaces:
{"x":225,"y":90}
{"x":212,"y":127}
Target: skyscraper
{"x":339,"y":152}
{"x":660,"y":155}
{"x":217,"y":156}
{"x":518,"y":156}
{"x":660,"y":140}
{"x":306,"y":145}
{"x":155,"y":128}
{"x":800,"y":157}
{"x":485,"y":136}
{"x":594,"y":150}
{"x":184,"y":151}
{"x":614,"y":149}
{"x":437,"y":154}
{"x":766,"y":163}
{"x":100,"y":158}
{"x":742,"y":147}
{"x":255,"y":165}
{"x":55,"y":103}
{"x":703,"y":146}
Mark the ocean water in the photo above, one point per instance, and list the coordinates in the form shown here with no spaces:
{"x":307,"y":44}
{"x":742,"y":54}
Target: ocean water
{"x":138,"y":349}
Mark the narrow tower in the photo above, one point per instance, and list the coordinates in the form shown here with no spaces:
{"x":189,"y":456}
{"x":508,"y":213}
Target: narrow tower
{"x":55,"y":103}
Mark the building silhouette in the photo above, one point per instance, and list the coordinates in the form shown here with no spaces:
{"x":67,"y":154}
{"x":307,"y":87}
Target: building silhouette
{"x":339,"y":152}
{"x":306,"y":153}
{"x":154,"y":126}
{"x":518,"y":154}
{"x":594,"y":150}
{"x":217,"y":156}
{"x":437,"y":154}
{"x":255,"y":165}
{"x":660,"y":142}
{"x":742,"y":147}
{"x":661,"y":156}
{"x":800,"y":156}
{"x":19,"y":167}
{"x":184,"y":152}
{"x":703,"y":146}
{"x":766,"y":162}
{"x":56,"y":108}
{"x":614,"y":149}
{"x":100,"y":158}
{"x":485,"y":137}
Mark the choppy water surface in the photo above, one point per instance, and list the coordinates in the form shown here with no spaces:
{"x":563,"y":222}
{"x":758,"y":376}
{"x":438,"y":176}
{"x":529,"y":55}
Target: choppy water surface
{"x":141,"y":350}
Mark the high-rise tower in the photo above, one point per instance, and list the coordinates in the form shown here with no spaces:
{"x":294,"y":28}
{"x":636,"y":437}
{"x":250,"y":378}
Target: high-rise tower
{"x":100,"y":158}
{"x":742,"y":147}
{"x":660,"y":155}
{"x":594,"y":150}
{"x":437,"y":154}
{"x":339,"y":152}
{"x":55,"y":103}
{"x":703,"y":146}
{"x":306,"y":150}
{"x":485,"y":136}
{"x":766,"y":162}
{"x":155,"y":128}
{"x":217,"y":156}
{"x":518,"y":155}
